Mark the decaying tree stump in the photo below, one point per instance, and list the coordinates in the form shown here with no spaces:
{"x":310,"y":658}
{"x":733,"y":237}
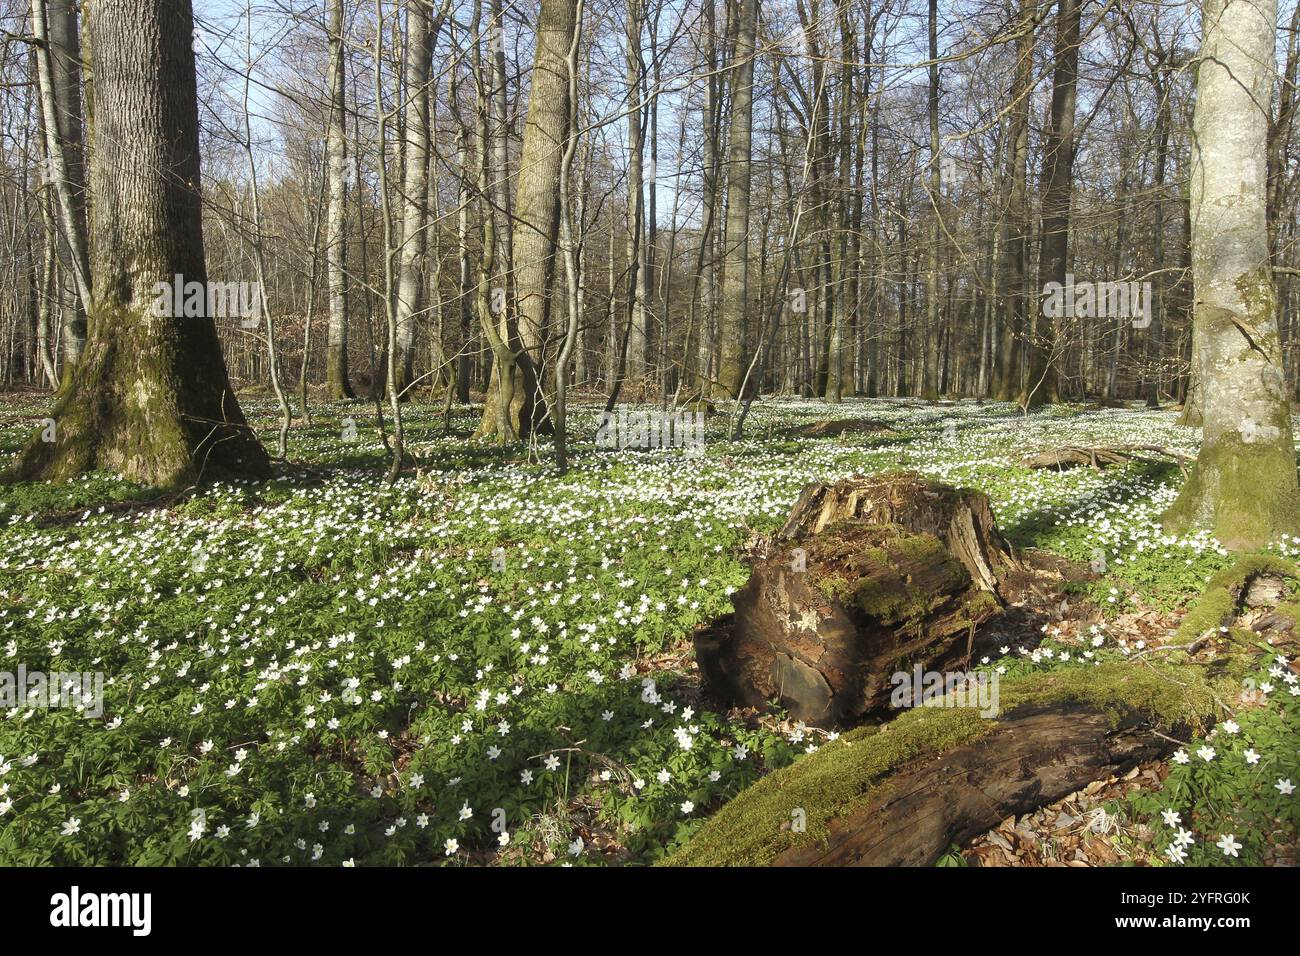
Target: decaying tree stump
{"x":869,"y":577}
{"x":959,"y":517}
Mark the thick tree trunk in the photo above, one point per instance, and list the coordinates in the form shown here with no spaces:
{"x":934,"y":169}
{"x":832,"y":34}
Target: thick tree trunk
{"x":151,"y":400}
{"x":1243,"y":485}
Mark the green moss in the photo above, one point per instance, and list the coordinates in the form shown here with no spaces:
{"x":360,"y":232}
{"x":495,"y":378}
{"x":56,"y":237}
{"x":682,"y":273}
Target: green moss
{"x":1218,"y":605}
{"x":1246,"y":493}
{"x":754,"y":828}
{"x":867,"y":577}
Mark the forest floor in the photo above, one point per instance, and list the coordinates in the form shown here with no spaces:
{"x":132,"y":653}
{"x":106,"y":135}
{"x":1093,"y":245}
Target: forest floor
{"x":492,"y":663}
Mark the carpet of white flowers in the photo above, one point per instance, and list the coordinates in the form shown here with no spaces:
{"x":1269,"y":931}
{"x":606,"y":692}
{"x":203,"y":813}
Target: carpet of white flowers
{"x":490,"y":662}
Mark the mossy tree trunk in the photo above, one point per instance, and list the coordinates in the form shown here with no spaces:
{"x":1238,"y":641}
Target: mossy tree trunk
{"x":1243,"y":485}
{"x":151,"y":400}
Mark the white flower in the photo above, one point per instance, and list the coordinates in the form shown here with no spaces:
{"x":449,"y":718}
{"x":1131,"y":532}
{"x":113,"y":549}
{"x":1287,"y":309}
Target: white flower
{"x":1206,"y":754}
{"x":1228,"y":845}
{"x":71,"y":826}
{"x":1171,"y":817}
{"x":1176,"y":853}
{"x":1284,"y":787}
{"x":451,"y":847}
{"x":687,"y":807}
{"x":1251,"y":755}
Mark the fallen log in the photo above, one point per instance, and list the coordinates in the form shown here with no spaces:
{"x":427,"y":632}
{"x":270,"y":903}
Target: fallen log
{"x":834,"y":427}
{"x":869,"y":578}
{"x":1032,"y":758}
{"x":905,"y":792}
{"x":1075,"y":456}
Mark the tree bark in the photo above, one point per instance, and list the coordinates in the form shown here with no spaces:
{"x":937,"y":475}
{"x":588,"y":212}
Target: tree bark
{"x":337,"y":383}
{"x":1243,"y":485}
{"x":735,"y":280}
{"x":152,"y":400}
{"x":1042,"y":387}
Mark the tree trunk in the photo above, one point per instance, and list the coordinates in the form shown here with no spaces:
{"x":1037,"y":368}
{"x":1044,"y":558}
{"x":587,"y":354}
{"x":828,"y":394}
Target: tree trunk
{"x":537,"y":221}
{"x":421,"y":34}
{"x":739,"y":173}
{"x":58,"y":70}
{"x":1243,"y":485}
{"x":1015,"y":216}
{"x":337,"y":384}
{"x":152,"y":400}
{"x":1042,"y":387}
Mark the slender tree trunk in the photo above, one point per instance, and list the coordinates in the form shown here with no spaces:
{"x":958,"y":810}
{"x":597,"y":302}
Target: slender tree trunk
{"x":58,"y":69}
{"x":421,"y":35}
{"x":1015,"y":216}
{"x":337,"y":383}
{"x":735,"y":279}
{"x":1058,"y":183}
{"x":930,"y":366}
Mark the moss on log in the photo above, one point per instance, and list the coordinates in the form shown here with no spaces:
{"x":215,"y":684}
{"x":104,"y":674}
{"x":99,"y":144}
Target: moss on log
{"x":903,"y":792}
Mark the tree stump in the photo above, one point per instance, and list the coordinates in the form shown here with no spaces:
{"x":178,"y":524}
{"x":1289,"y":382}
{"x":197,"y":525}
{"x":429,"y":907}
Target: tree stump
{"x":869,"y":578}
{"x":959,"y":517}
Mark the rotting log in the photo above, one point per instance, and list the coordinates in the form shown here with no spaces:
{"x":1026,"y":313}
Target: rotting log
{"x":904,"y":792}
{"x":1075,"y":456}
{"x":1032,"y":758}
{"x":834,"y":427}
